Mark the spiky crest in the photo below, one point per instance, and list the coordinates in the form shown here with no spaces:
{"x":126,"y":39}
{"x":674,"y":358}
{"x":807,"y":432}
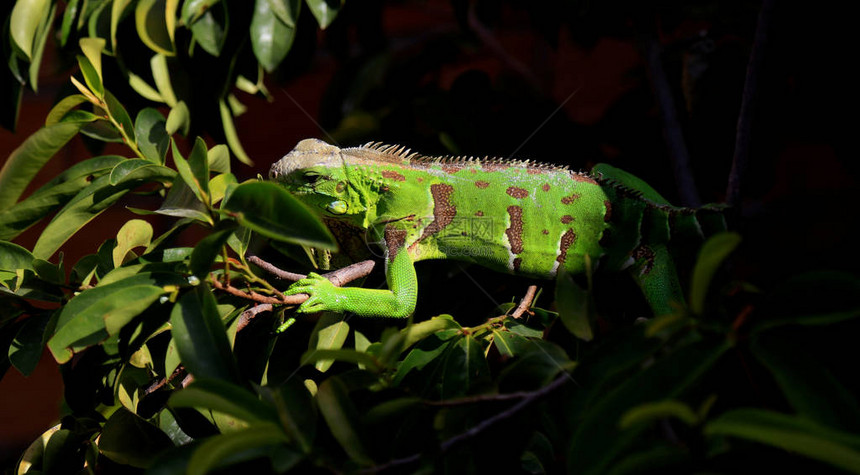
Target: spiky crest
{"x":399,"y":153}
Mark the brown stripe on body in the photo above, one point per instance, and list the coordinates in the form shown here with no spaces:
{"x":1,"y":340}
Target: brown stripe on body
{"x":517,"y":263}
{"x":607,"y":216}
{"x":448,"y":168}
{"x":566,"y":219}
{"x":393,"y":175}
{"x":534,"y":171}
{"x":567,"y":240}
{"x":394,"y":241}
{"x":646,"y":255}
{"x":545,"y":187}
{"x":443,"y":211}
{"x":517,"y":192}
{"x":566,"y":200}
{"x":482,"y":184}
{"x":515,"y":232}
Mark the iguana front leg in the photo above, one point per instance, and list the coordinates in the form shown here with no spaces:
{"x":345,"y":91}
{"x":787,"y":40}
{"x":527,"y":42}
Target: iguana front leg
{"x":397,"y":302}
{"x":654,"y":270}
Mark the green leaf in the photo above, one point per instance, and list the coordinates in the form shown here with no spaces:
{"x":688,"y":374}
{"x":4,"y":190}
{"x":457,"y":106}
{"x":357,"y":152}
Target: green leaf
{"x":840,"y":449}
{"x":325,"y":358}
{"x":342,"y":418}
{"x":182,"y":202}
{"x":286,"y":10}
{"x":215,"y":450}
{"x":421,"y":330}
{"x":14,"y":257}
{"x":134,"y":233}
{"x":99,"y":312}
{"x":324,"y":10}
{"x":652,"y":411}
{"x":26,"y":17}
{"x":597,"y":441}
{"x":231,"y":135}
{"x":715,"y":250}
{"x":127,"y":439}
{"x":63,"y":107}
{"x":69,"y":15}
{"x":508,"y":343}
{"x":161,"y":76}
{"x":143,"y":88}
{"x":807,"y":383}
{"x":92,"y":49}
{"x":209,"y":21}
{"x":140,"y":171}
{"x":201,"y":337}
{"x":207,"y":250}
{"x":574,"y":308}
{"x":26,"y":349}
{"x":179,"y":118}
{"x":465,"y":368}
{"x":195,"y":171}
{"x":86,"y":205}
{"x":150,"y":19}
{"x":26,"y":160}
{"x":120,"y":115}
{"x":218,"y":186}
{"x":224,"y":397}
{"x":219,"y":159}
{"x":271,"y":211}
{"x":296,"y":412}
{"x":91,"y":76}
{"x":118,"y":8}
{"x":151,"y":133}
{"x":271,"y":38}
{"x":428,"y":351}
{"x":42,"y":34}
{"x":329,"y":333}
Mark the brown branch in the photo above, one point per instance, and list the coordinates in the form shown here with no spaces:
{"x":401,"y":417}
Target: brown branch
{"x":445,"y":446}
{"x":275,"y":271}
{"x":247,"y":315}
{"x":745,"y":117}
{"x":526,"y":302}
{"x":339,"y":277}
{"x":251,"y":295}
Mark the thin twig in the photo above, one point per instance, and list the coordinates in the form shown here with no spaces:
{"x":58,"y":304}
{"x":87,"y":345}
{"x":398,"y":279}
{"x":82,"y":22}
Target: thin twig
{"x":526,"y":302}
{"x":275,"y":271}
{"x":251,"y":295}
{"x":745,"y":117}
{"x":339,"y":277}
{"x":477,"y":429}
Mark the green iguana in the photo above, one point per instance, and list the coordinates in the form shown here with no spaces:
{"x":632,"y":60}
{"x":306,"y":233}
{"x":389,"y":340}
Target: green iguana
{"x":512,"y":216}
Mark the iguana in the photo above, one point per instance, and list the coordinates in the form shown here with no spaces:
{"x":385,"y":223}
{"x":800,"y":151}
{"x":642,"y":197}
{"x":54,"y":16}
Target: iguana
{"x":512,"y":216}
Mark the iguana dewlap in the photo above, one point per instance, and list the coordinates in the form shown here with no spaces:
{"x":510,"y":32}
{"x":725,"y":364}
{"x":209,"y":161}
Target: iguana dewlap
{"x":512,"y":216}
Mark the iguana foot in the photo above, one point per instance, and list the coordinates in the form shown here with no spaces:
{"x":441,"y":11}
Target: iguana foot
{"x":322,"y":294}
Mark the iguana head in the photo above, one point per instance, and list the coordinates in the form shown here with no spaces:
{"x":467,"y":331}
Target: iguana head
{"x":316,"y":173}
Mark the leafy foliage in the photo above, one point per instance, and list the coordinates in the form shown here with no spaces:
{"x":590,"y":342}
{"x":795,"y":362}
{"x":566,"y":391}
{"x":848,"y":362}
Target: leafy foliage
{"x":171,"y":357}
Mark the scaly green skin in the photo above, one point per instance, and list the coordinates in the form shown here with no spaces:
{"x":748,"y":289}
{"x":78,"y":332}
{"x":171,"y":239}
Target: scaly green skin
{"x":512,"y":216}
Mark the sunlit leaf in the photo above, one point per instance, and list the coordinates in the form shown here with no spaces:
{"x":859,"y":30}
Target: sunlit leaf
{"x":231,"y":135}
{"x":139,"y":170}
{"x":91,"y":76}
{"x":286,"y":10}
{"x":42,"y":34}
{"x":26,"y":17}
{"x":178,"y":119}
{"x":268,"y":209}
{"x":92,"y":49}
{"x":26,"y":160}
{"x":69,"y":15}
{"x":63,"y":107}
{"x":151,"y":23}
{"x":271,"y":38}
{"x":161,"y":76}
{"x":224,"y":397}
{"x":324,"y":10}
{"x":134,"y":233}
{"x":13,"y":257}
{"x":329,"y":334}
{"x":219,"y":159}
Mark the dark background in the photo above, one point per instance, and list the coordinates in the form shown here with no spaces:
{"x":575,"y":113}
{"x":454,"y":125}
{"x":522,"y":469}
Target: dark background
{"x":562,"y":82}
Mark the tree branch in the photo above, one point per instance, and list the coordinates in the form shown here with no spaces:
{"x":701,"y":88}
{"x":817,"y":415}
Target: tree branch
{"x":746,"y":115}
{"x":527,"y":398}
{"x":526,"y":302}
